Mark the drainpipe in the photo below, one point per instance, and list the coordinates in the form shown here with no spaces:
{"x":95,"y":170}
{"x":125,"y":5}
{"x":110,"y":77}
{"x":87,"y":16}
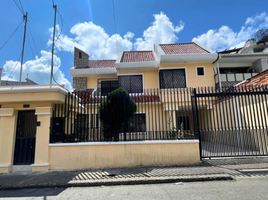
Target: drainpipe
{"x":218,"y":69}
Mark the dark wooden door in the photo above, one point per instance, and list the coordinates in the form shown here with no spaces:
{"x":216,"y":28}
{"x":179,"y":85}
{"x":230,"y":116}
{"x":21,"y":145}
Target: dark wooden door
{"x":25,"y":138}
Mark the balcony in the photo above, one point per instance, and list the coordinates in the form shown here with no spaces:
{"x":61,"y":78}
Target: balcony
{"x":231,"y":79}
{"x":261,"y":36}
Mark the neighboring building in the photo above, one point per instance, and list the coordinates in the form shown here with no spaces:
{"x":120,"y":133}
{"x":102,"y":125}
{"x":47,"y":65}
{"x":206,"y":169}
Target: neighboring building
{"x":238,"y":64}
{"x":15,"y":83}
{"x":260,"y":79}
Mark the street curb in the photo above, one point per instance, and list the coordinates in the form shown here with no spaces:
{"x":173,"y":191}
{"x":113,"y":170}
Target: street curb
{"x":133,"y":181}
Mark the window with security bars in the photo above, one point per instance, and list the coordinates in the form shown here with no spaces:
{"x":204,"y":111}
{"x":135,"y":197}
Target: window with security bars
{"x":131,"y":83}
{"x":107,"y":86}
{"x":172,"y":78}
{"x":137,"y":123}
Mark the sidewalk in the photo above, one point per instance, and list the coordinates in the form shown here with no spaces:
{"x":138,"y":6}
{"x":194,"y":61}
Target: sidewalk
{"x":214,"y":169}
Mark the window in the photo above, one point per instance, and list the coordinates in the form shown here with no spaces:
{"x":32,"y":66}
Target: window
{"x":80,"y":54}
{"x":131,"y":83}
{"x":172,"y":78}
{"x":183,"y":122}
{"x":107,"y":86}
{"x":137,"y":123}
{"x":200,"y":71}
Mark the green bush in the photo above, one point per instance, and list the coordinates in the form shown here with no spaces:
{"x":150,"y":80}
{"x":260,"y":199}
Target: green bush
{"x":115,"y":110}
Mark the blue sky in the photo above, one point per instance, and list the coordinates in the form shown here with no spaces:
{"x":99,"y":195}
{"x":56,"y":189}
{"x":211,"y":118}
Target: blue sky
{"x":89,"y":25}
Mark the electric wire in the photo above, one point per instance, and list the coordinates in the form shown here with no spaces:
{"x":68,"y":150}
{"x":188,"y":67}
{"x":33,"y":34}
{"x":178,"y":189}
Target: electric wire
{"x":115,"y":27}
{"x":20,"y":9}
{"x":18,"y":61}
{"x":4,"y":44}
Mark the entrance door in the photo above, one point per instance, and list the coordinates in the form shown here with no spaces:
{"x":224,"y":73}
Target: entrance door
{"x":25,"y":138}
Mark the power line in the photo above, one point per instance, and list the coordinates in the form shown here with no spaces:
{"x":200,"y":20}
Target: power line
{"x":17,"y":62}
{"x":115,"y":27}
{"x":61,"y":26}
{"x":3,"y":45}
{"x":30,"y":45}
{"x":37,"y":52}
{"x":20,"y":9}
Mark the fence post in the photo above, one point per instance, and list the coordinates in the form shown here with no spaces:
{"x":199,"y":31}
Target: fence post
{"x":197,"y":123}
{"x":124,"y":112}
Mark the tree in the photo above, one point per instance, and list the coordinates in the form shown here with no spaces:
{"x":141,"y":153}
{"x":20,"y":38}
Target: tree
{"x":115,"y":111}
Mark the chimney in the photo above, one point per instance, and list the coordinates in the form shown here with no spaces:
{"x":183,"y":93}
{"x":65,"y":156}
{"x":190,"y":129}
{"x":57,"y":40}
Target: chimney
{"x":80,"y":58}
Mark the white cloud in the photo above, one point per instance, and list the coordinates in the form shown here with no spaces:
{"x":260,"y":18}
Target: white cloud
{"x":94,"y":40}
{"x":38,"y":70}
{"x":98,"y":44}
{"x":162,"y":30}
{"x":225,"y":37}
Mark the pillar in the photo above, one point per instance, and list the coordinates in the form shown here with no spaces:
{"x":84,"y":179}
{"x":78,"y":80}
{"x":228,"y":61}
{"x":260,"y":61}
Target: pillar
{"x":41,"y":161}
{"x":7,"y":138}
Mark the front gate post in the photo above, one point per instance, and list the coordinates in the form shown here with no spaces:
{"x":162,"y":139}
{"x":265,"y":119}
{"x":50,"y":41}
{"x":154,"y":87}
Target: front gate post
{"x":41,"y":161}
{"x":196,"y":119}
{"x":7,"y":138}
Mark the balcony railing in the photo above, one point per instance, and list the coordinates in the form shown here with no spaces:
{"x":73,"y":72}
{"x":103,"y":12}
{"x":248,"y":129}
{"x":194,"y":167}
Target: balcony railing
{"x":233,"y":77}
{"x":261,"y":35}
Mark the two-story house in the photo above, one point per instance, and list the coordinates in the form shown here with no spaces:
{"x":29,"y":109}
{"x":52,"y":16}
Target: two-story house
{"x":161,"y":78}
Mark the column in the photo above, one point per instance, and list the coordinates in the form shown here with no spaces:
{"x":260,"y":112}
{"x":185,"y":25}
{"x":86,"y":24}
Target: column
{"x":41,"y":161}
{"x":7,"y":138}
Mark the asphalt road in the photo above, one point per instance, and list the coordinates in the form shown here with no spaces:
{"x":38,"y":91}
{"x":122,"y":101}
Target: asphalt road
{"x":246,"y":188}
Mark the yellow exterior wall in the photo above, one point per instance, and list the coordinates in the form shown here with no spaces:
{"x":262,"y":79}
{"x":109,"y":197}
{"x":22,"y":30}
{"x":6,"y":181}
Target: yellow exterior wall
{"x":192,"y":79}
{"x":122,"y":155}
{"x":12,"y":102}
{"x":151,"y":78}
{"x":7,"y":141}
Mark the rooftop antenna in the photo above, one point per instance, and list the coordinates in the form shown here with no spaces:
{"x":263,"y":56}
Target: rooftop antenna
{"x":53,"y":43}
{"x":23,"y":43}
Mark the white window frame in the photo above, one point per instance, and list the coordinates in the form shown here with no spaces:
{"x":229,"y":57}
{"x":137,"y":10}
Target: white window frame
{"x":134,"y":75}
{"x":197,"y":71}
{"x":167,"y":68}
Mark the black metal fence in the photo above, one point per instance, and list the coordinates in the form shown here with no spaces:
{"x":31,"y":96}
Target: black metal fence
{"x":160,"y":115}
{"x":227,"y":122}
{"x":233,"y":121}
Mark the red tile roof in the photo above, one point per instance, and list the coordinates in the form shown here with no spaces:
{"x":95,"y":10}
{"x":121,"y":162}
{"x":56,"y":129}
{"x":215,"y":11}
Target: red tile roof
{"x":183,"y":48}
{"x":137,"y":56}
{"x":260,"y":79}
{"x":101,"y":63}
{"x":87,"y":97}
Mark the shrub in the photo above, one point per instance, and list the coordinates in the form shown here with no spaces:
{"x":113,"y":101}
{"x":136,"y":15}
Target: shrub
{"x":116,"y":110}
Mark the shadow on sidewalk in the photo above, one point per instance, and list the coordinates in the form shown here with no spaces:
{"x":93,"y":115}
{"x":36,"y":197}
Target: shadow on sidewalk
{"x":35,"y":192}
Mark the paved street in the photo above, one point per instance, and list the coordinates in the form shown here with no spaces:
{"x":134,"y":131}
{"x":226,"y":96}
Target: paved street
{"x":243,"y":188}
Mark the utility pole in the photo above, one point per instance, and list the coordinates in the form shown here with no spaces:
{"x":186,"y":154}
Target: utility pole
{"x":53,"y":43}
{"x":23,"y":44}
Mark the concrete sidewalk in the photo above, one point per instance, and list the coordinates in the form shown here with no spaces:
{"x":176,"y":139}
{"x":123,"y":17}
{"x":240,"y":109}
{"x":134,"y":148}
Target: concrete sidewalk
{"x":215,"y":169}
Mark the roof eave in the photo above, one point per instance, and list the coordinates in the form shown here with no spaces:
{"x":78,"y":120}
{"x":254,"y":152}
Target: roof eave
{"x":189,"y":58}
{"x":91,"y":72}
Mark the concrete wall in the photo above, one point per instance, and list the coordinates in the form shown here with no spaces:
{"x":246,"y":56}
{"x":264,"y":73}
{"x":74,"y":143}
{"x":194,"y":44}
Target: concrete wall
{"x":122,"y":154}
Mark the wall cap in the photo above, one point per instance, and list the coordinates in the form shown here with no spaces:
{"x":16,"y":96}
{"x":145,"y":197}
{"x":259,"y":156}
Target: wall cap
{"x":123,"y":143}
{"x":4,"y":166}
{"x":40,"y":165}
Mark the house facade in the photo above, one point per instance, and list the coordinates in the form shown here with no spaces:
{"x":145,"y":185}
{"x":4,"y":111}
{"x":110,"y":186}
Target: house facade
{"x":137,"y":71}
